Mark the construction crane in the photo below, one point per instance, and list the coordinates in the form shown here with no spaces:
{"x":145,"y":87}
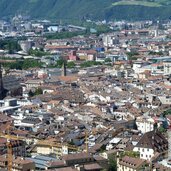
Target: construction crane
{"x":9,"y":146}
{"x":10,"y":137}
{"x":43,"y":142}
{"x":9,"y":155}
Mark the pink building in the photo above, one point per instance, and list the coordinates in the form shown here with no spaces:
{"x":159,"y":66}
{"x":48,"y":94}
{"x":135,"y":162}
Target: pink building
{"x":73,"y":56}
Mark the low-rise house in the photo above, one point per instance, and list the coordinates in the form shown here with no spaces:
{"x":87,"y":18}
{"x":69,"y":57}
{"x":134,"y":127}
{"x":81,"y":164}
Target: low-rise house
{"x":28,"y":123}
{"x":50,"y":147}
{"x":4,"y":119}
{"x":73,"y":56}
{"x":145,"y":124}
{"x":89,"y":55}
{"x":150,"y":143}
{"x":18,"y":147}
{"x":18,"y":164}
{"x":133,"y":164}
{"x":165,"y":99}
{"x":33,"y":83}
{"x":92,"y":167}
{"x":9,"y":105}
{"x":167,"y":67}
{"x":79,"y":158}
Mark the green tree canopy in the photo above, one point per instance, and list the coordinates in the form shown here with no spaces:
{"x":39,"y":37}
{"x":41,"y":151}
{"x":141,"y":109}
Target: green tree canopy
{"x":71,"y":64}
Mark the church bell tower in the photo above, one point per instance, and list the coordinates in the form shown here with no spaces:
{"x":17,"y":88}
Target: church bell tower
{"x":2,"y":90}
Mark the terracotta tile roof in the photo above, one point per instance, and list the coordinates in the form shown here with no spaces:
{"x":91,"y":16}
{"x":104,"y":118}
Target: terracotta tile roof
{"x":4,"y":118}
{"x":154,"y":140}
{"x":132,"y":162}
{"x":56,"y":163}
{"x":3,"y":159}
{"x":76,"y":156}
{"x":93,"y":166}
{"x":4,"y":126}
{"x":20,"y":132}
{"x":55,"y":47}
{"x":64,"y":169}
{"x":68,"y":78}
{"x":87,"y":51}
{"x":161,"y":167}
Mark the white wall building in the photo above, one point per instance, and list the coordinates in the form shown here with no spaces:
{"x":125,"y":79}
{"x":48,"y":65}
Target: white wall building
{"x":145,"y":124}
{"x":167,"y":68}
{"x":145,"y":153}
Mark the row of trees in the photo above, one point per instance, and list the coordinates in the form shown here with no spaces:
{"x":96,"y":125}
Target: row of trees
{"x":38,"y":53}
{"x":65,"y":35}
{"x":32,"y":63}
{"x":85,"y":64}
{"x":60,"y":62}
{"x":23,"y":64}
{"x":10,"y":45}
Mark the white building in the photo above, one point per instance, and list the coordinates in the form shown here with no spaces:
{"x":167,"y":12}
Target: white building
{"x":152,"y":143}
{"x":33,"y":83}
{"x":145,"y":124}
{"x":167,"y":67}
{"x":166,"y":100}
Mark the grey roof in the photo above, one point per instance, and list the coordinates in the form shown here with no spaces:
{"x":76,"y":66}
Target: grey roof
{"x":10,"y":82}
{"x":42,"y":161}
{"x":31,"y":120}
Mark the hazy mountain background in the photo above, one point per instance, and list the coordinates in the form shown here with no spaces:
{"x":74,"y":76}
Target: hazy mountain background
{"x":94,"y":9}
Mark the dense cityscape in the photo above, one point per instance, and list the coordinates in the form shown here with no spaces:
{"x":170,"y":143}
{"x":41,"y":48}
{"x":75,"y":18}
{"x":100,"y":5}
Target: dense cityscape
{"x":85,"y":96}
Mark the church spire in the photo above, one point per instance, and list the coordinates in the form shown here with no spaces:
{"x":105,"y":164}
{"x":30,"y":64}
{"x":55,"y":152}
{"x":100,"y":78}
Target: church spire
{"x":1,"y":84}
{"x":63,"y":73}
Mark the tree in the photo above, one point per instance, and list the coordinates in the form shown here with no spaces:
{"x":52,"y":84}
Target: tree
{"x":60,"y":63}
{"x":132,"y":55}
{"x":130,"y":154}
{"x":38,"y":53}
{"x":65,"y":34}
{"x":31,"y":94}
{"x":10,"y":45}
{"x":156,"y":53}
{"x":161,"y":129}
{"x":90,"y":63}
{"x":107,"y":60}
{"x":38,"y":91}
{"x":155,"y":126}
{"x":70,"y":64}
{"x":23,"y":64}
{"x":166,"y":112}
{"x":112,"y":164}
{"x":28,"y":63}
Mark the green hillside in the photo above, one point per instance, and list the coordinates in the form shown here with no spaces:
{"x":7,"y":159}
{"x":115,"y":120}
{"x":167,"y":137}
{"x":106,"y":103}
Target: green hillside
{"x":96,"y":9}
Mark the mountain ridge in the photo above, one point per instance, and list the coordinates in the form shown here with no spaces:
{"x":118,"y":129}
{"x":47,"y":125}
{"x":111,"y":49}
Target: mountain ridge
{"x":93,"y":9}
